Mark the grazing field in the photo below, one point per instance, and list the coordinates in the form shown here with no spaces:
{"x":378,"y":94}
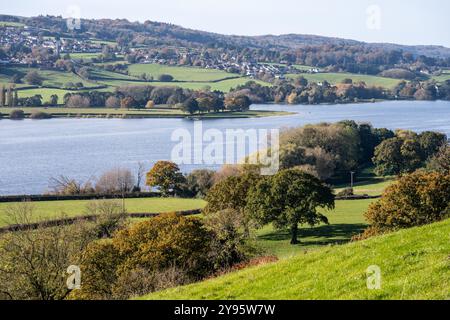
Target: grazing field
{"x":52,"y":78}
{"x":414,"y":264}
{"x":55,"y":209}
{"x":224,"y":85}
{"x":11,"y":24}
{"x":335,"y":78}
{"x":373,"y":187}
{"x":346,"y":221}
{"x":443,"y":77}
{"x":190,"y":74}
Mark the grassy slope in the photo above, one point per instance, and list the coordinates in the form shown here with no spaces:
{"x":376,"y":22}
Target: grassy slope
{"x":415,"y":264}
{"x":54,"y":209}
{"x":334,"y":78}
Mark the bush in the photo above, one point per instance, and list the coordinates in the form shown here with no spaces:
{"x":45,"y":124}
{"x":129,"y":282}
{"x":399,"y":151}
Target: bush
{"x":40,"y":115}
{"x":416,"y":199}
{"x":17,"y":115}
{"x":166,"y":241}
{"x":165,"y":78}
{"x":348,"y":192}
{"x":230,"y":245}
{"x":78,"y":101}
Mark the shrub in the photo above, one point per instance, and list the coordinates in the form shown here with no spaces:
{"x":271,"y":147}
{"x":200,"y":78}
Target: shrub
{"x":348,"y":192}
{"x":38,"y":115}
{"x":166,"y":241}
{"x":229,"y":245}
{"x":112,"y":102}
{"x":17,"y":115}
{"x":78,"y":101}
{"x":114,"y":181}
{"x":416,"y":199}
{"x":165,"y":78}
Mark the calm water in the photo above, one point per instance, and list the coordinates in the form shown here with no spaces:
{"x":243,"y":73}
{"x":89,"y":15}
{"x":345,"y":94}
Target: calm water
{"x":31,"y":152}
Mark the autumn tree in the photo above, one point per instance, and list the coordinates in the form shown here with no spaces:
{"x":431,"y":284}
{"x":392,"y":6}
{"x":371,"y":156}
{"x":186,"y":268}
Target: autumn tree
{"x":289,"y":199}
{"x":414,"y":200}
{"x":166,"y":176}
{"x":34,"y":78}
{"x":440,"y":162}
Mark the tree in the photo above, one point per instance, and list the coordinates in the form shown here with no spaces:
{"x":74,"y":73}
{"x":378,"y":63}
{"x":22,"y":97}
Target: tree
{"x":165,"y":78}
{"x":440,"y":162}
{"x":17,"y":115}
{"x":115,"y":181}
{"x":414,"y":200}
{"x":150,"y":104}
{"x":54,"y":100}
{"x":2,"y":96}
{"x":431,"y":142}
{"x":190,"y":106}
{"x":166,"y":176}
{"x":112,"y":102}
{"x":289,"y":199}
{"x":34,"y":78}
{"x":78,"y":101}
{"x":127,"y":103}
{"x":33,"y":264}
{"x":199,"y":182}
{"x":388,"y":157}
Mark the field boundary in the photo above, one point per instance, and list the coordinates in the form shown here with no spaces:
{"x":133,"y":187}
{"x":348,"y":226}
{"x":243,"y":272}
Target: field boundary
{"x":41,"y":198}
{"x":69,"y":221}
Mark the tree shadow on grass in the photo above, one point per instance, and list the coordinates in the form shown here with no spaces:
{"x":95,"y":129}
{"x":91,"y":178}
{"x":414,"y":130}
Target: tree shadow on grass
{"x":319,"y":236}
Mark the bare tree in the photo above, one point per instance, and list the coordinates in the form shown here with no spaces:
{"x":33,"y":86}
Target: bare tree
{"x":66,"y":186}
{"x":33,"y":264}
{"x":140,"y":175}
{"x":115,"y":181}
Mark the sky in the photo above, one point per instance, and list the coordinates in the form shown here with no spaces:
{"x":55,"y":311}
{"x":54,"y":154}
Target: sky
{"x":414,"y":22}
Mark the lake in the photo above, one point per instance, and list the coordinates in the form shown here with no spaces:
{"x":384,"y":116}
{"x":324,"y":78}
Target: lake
{"x":33,"y":151}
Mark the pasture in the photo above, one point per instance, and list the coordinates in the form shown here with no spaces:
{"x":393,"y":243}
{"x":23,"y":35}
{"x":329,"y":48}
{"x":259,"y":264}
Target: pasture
{"x":189,"y":74}
{"x":335,"y":78}
{"x":48,"y":210}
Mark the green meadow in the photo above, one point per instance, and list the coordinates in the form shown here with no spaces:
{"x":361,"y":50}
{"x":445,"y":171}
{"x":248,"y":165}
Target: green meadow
{"x":335,"y":78}
{"x":48,"y":210}
{"x":189,"y":74}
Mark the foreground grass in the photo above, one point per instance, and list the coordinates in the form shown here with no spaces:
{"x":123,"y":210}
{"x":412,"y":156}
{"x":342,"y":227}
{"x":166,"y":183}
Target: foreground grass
{"x":415,"y":264}
{"x":54,"y":209}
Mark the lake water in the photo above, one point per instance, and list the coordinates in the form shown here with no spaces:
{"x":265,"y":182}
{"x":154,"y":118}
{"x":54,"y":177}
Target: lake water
{"x":32,"y":151}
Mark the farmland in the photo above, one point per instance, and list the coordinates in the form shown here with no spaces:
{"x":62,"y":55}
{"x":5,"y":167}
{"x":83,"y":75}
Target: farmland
{"x":335,"y":78}
{"x":55,"y":209}
{"x":188,"y":74}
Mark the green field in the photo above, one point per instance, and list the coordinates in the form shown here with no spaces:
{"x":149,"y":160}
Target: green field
{"x":189,"y":74}
{"x":372,"y":187}
{"x":11,"y":24}
{"x":414,"y":264}
{"x":52,"y":78}
{"x":346,"y":221}
{"x":55,"y":209}
{"x":335,"y":78}
{"x":224,"y":85}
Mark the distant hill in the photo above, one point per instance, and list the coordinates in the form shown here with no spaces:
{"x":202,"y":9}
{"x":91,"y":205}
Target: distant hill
{"x":414,"y":263}
{"x":109,"y":29}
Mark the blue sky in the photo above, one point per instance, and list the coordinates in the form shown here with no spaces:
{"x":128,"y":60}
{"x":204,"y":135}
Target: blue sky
{"x":396,"y":21}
